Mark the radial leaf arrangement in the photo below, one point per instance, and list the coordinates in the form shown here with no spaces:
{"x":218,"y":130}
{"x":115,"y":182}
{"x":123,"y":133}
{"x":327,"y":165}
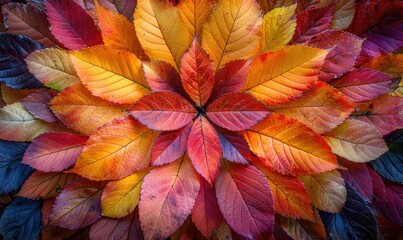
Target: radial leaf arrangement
{"x":201,"y":119}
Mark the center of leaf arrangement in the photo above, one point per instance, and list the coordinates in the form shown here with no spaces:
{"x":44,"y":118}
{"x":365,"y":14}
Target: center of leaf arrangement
{"x":201,"y":110}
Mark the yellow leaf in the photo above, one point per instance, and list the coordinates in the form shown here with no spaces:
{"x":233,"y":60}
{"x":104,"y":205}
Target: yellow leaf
{"x":119,"y":198}
{"x":112,"y":74}
{"x":280,"y":76}
{"x":11,"y":95}
{"x":343,"y":14}
{"x":232,"y":31}
{"x":17,"y":124}
{"x":195,"y":13}
{"x":267,"y":5}
{"x":278,"y":28}
{"x":390,"y":63}
{"x":161,"y":31}
{"x":118,"y":31}
{"x":53,"y":68}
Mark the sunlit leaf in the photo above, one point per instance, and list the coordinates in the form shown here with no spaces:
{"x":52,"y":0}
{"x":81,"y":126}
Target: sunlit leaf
{"x":232,"y":31}
{"x":289,"y":146}
{"x":167,"y":198}
{"x":194,"y":14}
{"x":116,"y":150}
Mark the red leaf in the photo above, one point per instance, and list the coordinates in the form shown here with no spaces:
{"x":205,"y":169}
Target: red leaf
{"x":167,"y":198}
{"x":71,"y":25}
{"x":358,"y":176}
{"x":236,"y":111}
{"x":45,"y":185}
{"x":197,"y":74}
{"x":234,"y":146}
{"x":312,"y":22}
{"x":245,"y":199}
{"x":384,"y":113}
{"x":346,"y":48}
{"x":37,"y":104}
{"x":54,"y":152}
{"x":126,"y":228}
{"x":163,"y":111}
{"x":78,"y":206}
{"x":206,"y":214}
{"x":391,"y":206}
{"x":169,"y":146}
{"x":204,"y":149}
{"x":47,"y":210}
{"x":362,"y":84}
{"x":378,"y":185}
{"x":161,"y":76}
{"x":230,"y":78}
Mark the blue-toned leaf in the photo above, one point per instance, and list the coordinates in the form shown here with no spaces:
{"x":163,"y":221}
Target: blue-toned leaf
{"x":21,"y":220}
{"x":389,"y":166}
{"x":354,"y":222}
{"x":12,"y":172}
{"x":13,"y":70}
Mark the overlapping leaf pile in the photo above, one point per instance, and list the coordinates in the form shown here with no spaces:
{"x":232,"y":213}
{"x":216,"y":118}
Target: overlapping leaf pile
{"x":201,"y":119}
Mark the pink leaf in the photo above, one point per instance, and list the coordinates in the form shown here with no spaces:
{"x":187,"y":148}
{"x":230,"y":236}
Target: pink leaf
{"x":245,"y":199}
{"x":161,"y":76}
{"x":204,"y":149}
{"x":37,"y":104}
{"x":167,"y":198}
{"x":358,"y":176}
{"x":391,"y":206}
{"x":235,"y":148}
{"x":54,"y":152}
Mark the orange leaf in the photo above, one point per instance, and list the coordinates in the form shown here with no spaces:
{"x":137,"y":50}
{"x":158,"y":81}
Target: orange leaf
{"x":289,"y":146}
{"x":116,"y":150}
{"x":79,"y":110}
{"x":280,"y":76}
{"x":390,"y":63}
{"x":112,"y":74}
{"x":267,"y":5}
{"x":194,"y":14}
{"x":322,"y":108}
{"x":356,"y":141}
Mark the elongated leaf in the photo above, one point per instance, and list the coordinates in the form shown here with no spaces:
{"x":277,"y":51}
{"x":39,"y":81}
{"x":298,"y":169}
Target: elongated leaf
{"x":161,"y":31}
{"x":119,"y":229}
{"x":116,"y":150}
{"x":390,"y":166}
{"x":236,"y":111}
{"x":278,"y":28}
{"x":230,"y":78}
{"x":204,"y":149}
{"x":167,"y":198}
{"x":343,"y":14}
{"x":206,"y":213}
{"x":71,"y":25}
{"x":169,"y":146}
{"x":362,"y":84}
{"x":384,"y":113}
{"x":245,"y":199}
{"x":119,"y":198}
{"x":53,"y":68}
{"x":354,"y":221}
{"x":278,"y":77}
{"x":21,"y":220}
{"x":118,"y":31}
{"x":194,"y":14}
{"x":356,"y":141}
{"x":161,"y":76}
{"x":17,"y":124}
{"x":357,"y":175}
{"x":53,"y":152}
{"x":197,"y":74}
{"x":44,"y":185}
{"x":124,"y":7}
{"x":346,"y":48}
{"x":26,"y":19}
{"x":390,"y":63}
{"x":12,"y":172}
{"x":327,"y":190}
{"x":114,"y":75}
{"x":234,"y":147}
{"x":13,"y":71}
{"x":79,"y":110}
{"x":37,"y":104}
{"x":289,"y":194}
{"x":303,"y":229}
{"x":163,"y":111}
{"x":322,"y":108}
{"x":312,"y":22}
{"x":78,"y":205}
{"x":391,"y":204}
{"x":289,"y":146}
{"x":231,"y":31}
